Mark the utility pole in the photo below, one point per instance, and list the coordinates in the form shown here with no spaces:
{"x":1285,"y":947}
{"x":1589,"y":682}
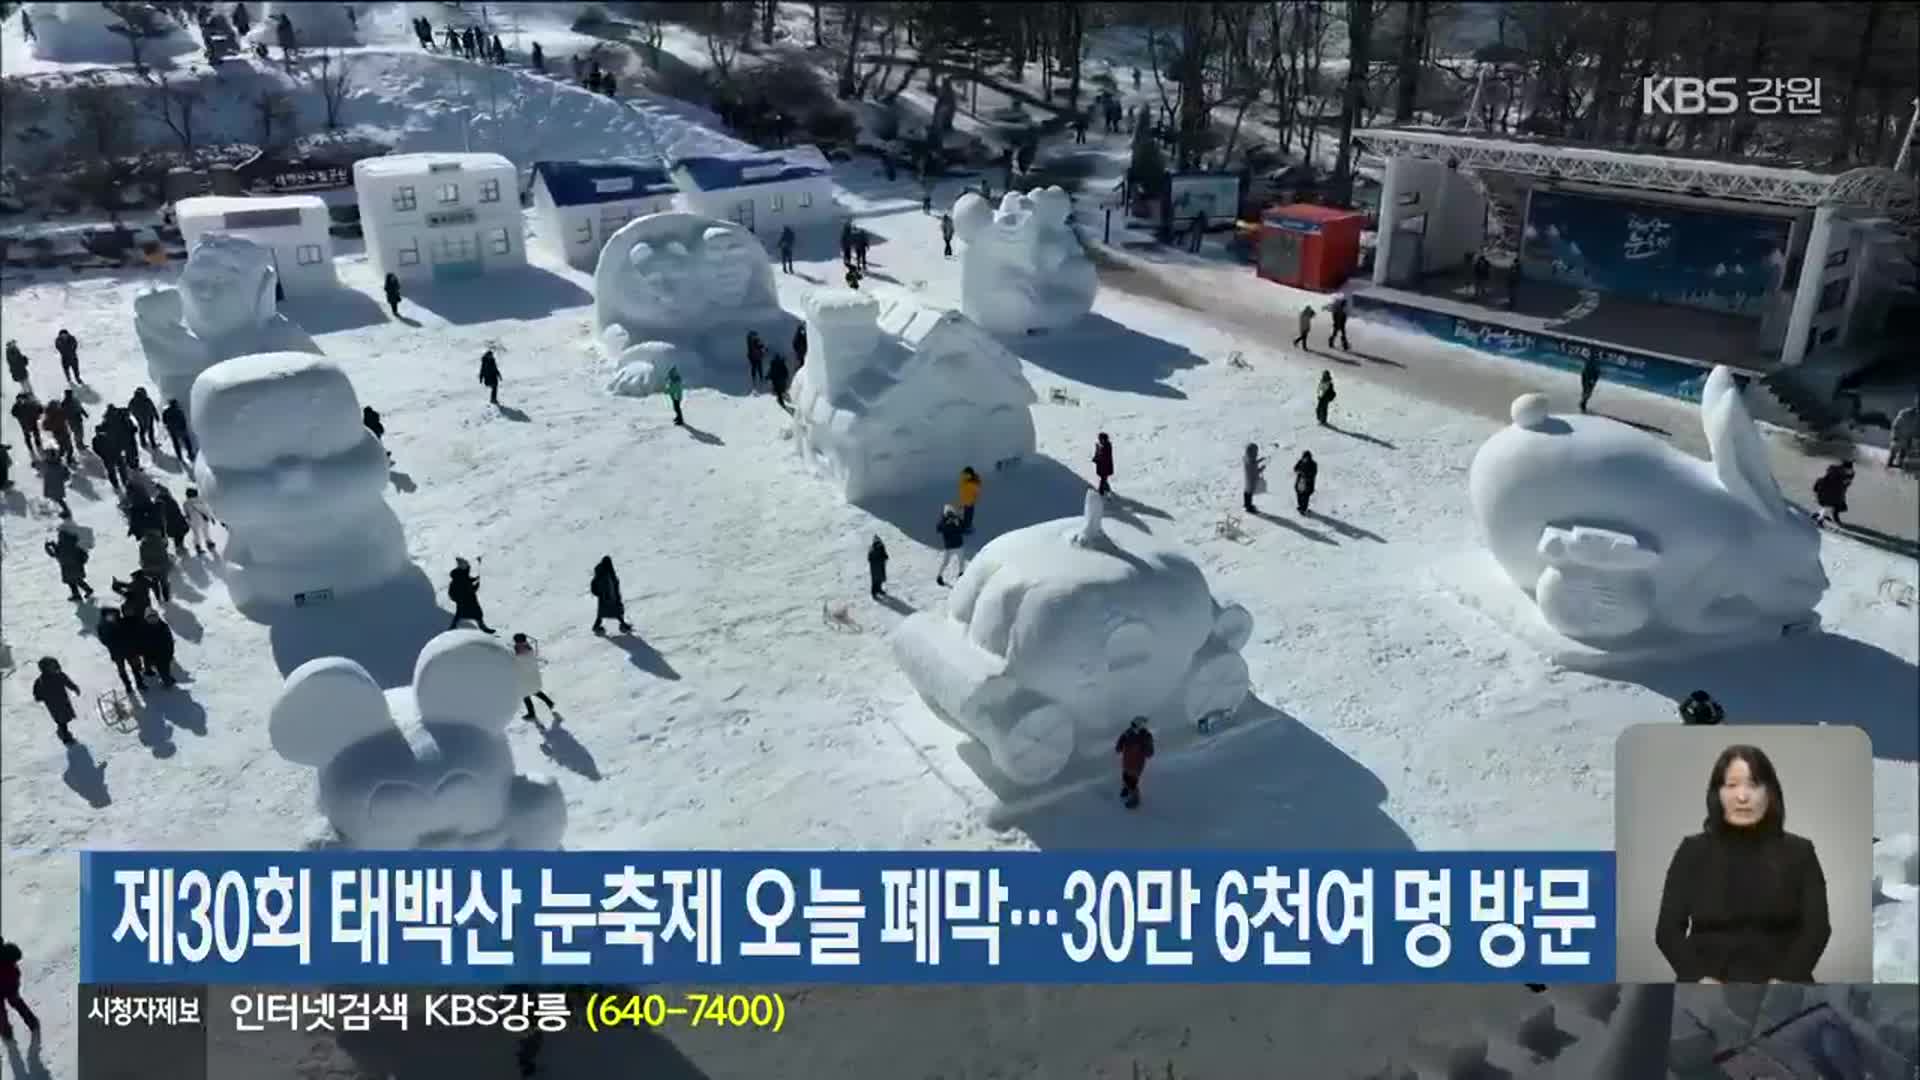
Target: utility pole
{"x":1906,"y":145}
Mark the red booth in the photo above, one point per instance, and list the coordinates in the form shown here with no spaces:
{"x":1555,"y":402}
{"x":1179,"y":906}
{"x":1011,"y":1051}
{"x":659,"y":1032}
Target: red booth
{"x":1310,"y":247}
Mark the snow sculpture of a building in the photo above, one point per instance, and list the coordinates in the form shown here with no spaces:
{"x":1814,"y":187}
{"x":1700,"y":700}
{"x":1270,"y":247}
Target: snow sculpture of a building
{"x":695,"y":284}
{"x":224,"y":308}
{"x":425,"y":766}
{"x":75,"y":33}
{"x":1060,"y":633}
{"x":1023,"y":267}
{"x":1626,"y":543}
{"x":299,"y":482}
{"x":895,"y":397}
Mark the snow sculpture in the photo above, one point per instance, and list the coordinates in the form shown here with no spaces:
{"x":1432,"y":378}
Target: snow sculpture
{"x":897,"y":397}
{"x":1060,"y":633}
{"x":1023,"y":267}
{"x":314,"y":25}
{"x":286,"y":463}
{"x":82,"y":33}
{"x":1896,"y":909}
{"x":1626,"y":543}
{"x":425,"y":766}
{"x":223,"y":308}
{"x":694,"y":284}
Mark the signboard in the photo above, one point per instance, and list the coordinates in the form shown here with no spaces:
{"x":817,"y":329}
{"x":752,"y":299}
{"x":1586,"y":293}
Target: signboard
{"x":1294,"y":224}
{"x":1217,"y":195}
{"x":310,"y":178}
{"x":613,"y":184}
{"x":444,"y":166}
{"x":451,"y":217}
{"x":311,"y":597}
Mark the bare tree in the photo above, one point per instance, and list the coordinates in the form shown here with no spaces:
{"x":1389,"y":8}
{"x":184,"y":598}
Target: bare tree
{"x":334,"y":78}
{"x":724,"y":25}
{"x":177,"y":100}
{"x":1360,"y":15}
{"x":819,"y":38}
{"x":100,"y":133}
{"x":274,"y":110}
{"x":139,"y":24}
{"x":854,"y":20}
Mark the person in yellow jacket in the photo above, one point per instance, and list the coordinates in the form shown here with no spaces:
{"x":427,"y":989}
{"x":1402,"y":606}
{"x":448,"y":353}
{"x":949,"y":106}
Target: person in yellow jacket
{"x":969,"y":494}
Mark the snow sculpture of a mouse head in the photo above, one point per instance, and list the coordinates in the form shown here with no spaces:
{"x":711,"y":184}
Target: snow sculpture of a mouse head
{"x":1621,"y":538}
{"x":732,"y":262}
{"x":1023,"y":267}
{"x":420,"y":767}
{"x":227,"y":286}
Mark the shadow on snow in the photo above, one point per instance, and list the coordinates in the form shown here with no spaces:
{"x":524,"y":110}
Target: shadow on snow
{"x":382,"y":629}
{"x":1036,"y":489}
{"x":520,"y":294}
{"x":1102,"y":353}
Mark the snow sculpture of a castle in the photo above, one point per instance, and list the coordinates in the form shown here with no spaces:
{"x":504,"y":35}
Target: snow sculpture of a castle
{"x":300,"y":483}
{"x":895,"y":397}
{"x":425,"y":766}
{"x":1059,"y":633}
{"x":1023,"y":267}
{"x":1627,"y":544}
{"x":224,"y":308}
{"x":678,"y":289}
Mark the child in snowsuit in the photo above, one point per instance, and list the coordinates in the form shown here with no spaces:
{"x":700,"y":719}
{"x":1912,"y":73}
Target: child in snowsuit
{"x":146,"y":414}
{"x":1135,"y":746}
{"x":174,"y":419}
{"x":173,"y":520}
{"x":65,"y":549}
{"x":1830,"y":491}
{"x":1103,"y":462}
{"x":1306,"y":472}
{"x":464,"y":590}
{"x":777,"y":377}
{"x":393,"y":294}
{"x":157,"y":563}
{"x":756,"y":359}
{"x":1306,"y":327}
{"x":1253,"y":468}
{"x":1700,"y":708}
{"x":155,"y":640}
{"x":526,"y":662}
{"x":199,"y":521}
{"x":117,"y":635}
{"x":969,"y":495}
{"x":953,"y":540}
{"x":51,"y":689}
{"x":877,"y":568}
{"x":69,"y":349}
{"x":490,"y":376}
{"x":608,"y":604}
{"x":1323,"y":396}
{"x":10,"y":965}
{"x":53,"y":481}
{"x":676,"y":389}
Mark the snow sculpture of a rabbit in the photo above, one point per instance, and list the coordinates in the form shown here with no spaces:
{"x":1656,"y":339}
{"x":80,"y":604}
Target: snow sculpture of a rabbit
{"x":1623,"y":540}
{"x":425,"y":766}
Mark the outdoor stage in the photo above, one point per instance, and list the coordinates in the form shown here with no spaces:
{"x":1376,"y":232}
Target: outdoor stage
{"x":1657,"y":347}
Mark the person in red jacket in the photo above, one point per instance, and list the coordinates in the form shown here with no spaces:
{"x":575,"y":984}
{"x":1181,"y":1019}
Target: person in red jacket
{"x":1134,"y":746}
{"x":10,"y":992}
{"x":1103,"y":462}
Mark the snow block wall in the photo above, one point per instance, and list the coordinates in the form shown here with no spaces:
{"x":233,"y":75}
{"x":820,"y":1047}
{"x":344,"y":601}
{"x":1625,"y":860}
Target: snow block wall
{"x":1060,"y":633}
{"x":300,"y":483}
{"x":896,"y":397}
{"x":1626,"y":543}
{"x":82,"y":34}
{"x":1023,"y":267}
{"x":694,"y":284}
{"x":223,"y":308}
{"x":315,"y":25}
{"x":425,"y":766}
{"x":1896,"y":909}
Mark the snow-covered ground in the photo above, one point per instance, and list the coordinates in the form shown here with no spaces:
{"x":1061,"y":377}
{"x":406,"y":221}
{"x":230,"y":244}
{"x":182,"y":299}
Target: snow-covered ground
{"x":739,"y":718}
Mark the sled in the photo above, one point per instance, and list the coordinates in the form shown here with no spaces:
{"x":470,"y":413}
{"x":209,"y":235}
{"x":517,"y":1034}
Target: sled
{"x":1229,"y":528}
{"x":116,"y":712}
{"x":839,"y":617}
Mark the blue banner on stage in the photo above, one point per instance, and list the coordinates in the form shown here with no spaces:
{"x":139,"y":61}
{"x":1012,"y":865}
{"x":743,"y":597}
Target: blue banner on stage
{"x":332,"y":917}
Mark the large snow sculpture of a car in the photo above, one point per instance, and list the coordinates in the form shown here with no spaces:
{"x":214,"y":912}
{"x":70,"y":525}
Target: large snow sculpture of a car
{"x":1059,"y":633}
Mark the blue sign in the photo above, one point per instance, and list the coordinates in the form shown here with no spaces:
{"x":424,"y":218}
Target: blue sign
{"x":1672,"y":378}
{"x":1654,"y":251}
{"x":435,"y":918}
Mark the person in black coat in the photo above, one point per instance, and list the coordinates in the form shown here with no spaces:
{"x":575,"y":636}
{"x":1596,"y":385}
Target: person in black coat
{"x":877,"y":568}
{"x":146,"y":414}
{"x":142,"y":515}
{"x":393,"y":294}
{"x":68,"y":347}
{"x":1306,"y":474}
{"x":756,"y":358}
{"x":799,"y":347}
{"x":76,"y":415}
{"x":1830,"y":491}
{"x":537,"y":58}
{"x":154,"y":640}
{"x":137,"y":594}
{"x":51,"y":689}
{"x":6,"y":467}
{"x":778,"y":378}
{"x":1701,"y":709}
{"x":174,"y":419}
{"x":953,"y":545}
{"x":26,"y":412}
{"x":172,"y":520}
{"x":490,"y":376}
{"x":1745,"y":901}
{"x":117,"y":635}
{"x":109,"y":455}
{"x":861,"y":240}
{"x":464,"y":590}
{"x":65,"y":549}
{"x":608,"y":603}
{"x":786,"y":249}
{"x":126,"y":441}
{"x":17,"y":368}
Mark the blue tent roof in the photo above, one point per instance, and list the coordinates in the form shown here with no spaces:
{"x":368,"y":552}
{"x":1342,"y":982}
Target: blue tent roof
{"x":581,"y":183}
{"x":720,"y":173}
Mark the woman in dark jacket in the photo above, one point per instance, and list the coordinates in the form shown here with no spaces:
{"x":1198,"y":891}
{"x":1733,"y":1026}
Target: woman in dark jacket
{"x":877,"y":568}
{"x":1745,"y":901}
{"x":608,"y":603}
{"x":1103,"y":462}
{"x":116,"y":634}
{"x":154,"y":639}
{"x":393,"y":294}
{"x":1306,"y":474}
{"x":172,"y":520}
{"x":464,"y":590}
{"x":66,"y":550}
{"x":490,"y":376}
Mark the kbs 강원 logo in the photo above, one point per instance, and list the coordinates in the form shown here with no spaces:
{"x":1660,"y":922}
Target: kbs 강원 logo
{"x":1687,"y":95}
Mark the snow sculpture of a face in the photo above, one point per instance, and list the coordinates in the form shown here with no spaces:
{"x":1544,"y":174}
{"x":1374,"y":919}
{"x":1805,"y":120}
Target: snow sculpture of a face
{"x":1059,"y":633}
{"x":420,"y":767}
{"x":1625,"y":542}
{"x":663,"y":285}
{"x":1023,"y":267}
{"x":226,"y":286}
{"x":729,"y":258}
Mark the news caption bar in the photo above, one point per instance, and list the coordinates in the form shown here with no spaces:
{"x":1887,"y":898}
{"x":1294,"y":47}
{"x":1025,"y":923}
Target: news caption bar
{"x":440,"y":918}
